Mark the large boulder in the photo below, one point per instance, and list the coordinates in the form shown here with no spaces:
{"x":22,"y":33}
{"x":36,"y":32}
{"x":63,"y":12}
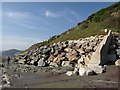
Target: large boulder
{"x":51,"y":58}
{"x":65,"y":63}
{"x":85,"y":71}
{"x":73,"y":55}
{"x":53,"y":64}
{"x":96,"y":68}
{"x":36,"y":58}
{"x":81,"y":51}
{"x":68,"y":50}
{"x":79,"y":44}
{"x":41,"y":62}
{"x":59,"y":59}
{"x":88,"y":49}
{"x":21,"y":61}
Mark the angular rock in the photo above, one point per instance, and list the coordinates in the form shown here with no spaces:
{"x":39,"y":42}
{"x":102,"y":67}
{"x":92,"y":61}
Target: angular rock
{"x":41,"y":62}
{"x":97,"y":69}
{"x":51,"y":58}
{"x":85,"y":71}
{"x":36,"y":58}
{"x":86,"y":60}
{"x":73,"y":58}
{"x":65,"y":63}
{"x":69,"y":73}
{"x":80,"y":59}
{"x":95,"y":48}
{"x":93,"y":44}
{"x":74,"y":52}
{"x":59,"y":59}
{"x":21,"y":61}
{"x":88,"y":49}
{"x":68,"y":50}
{"x":53,"y":64}
{"x":56,"y":53}
{"x":79,"y":44}
{"x":81,"y":51}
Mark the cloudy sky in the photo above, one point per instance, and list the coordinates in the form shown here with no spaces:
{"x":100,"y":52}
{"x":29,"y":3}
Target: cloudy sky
{"x":24,"y":24}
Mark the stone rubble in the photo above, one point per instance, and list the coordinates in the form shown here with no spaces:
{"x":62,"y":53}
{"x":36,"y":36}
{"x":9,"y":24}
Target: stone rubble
{"x":5,"y":80}
{"x":75,"y":53}
{"x":117,"y":63}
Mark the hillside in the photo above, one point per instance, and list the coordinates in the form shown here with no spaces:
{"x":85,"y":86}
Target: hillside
{"x":10,"y":52}
{"x":95,"y":24}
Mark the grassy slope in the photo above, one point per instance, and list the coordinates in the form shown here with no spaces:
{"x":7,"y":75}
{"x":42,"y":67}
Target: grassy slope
{"x":95,"y":24}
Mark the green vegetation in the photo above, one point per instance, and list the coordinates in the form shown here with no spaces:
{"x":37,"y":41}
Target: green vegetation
{"x":95,"y":24}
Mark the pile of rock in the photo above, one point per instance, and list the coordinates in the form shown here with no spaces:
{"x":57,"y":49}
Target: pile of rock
{"x":117,"y":63}
{"x":62,"y":54}
{"x":5,"y":80}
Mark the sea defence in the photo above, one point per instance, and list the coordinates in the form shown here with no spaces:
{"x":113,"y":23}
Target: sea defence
{"x":102,"y":56}
{"x":86,"y":55}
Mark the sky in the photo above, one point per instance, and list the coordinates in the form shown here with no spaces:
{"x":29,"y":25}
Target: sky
{"x":27,"y":23}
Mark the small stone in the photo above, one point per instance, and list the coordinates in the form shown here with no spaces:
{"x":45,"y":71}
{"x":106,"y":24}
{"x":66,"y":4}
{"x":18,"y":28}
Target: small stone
{"x":69,"y":73}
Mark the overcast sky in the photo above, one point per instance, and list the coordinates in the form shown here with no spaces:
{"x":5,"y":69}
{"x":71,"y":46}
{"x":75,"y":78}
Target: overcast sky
{"x":24,"y":24}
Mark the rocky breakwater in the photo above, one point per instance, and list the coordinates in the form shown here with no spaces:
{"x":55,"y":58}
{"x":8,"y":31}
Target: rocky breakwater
{"x":70,"y":53}
{"x":117,"y":63}
{"x":5,"y":82}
